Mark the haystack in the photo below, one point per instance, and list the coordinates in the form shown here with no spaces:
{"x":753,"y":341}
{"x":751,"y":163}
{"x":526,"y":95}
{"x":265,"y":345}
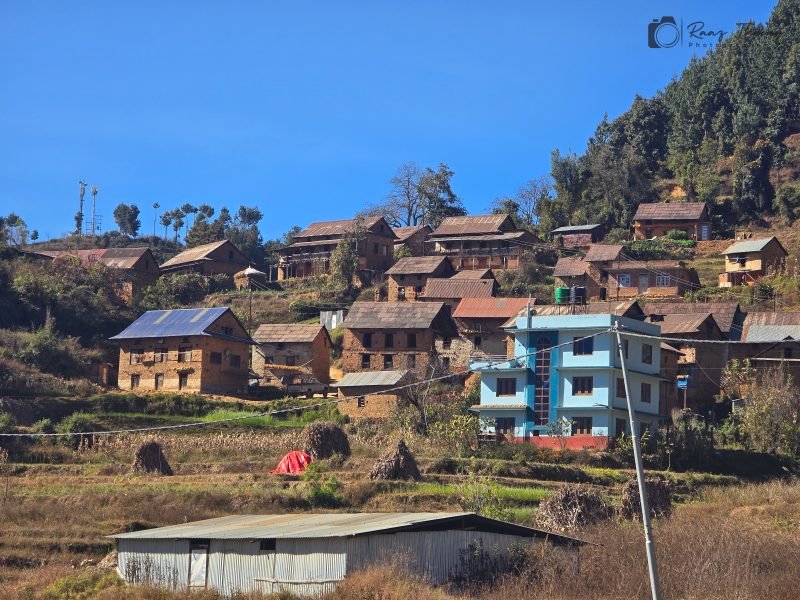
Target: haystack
{"x":323,"y":440}
{"x":150,"y":459}
{"x":659,"y":497}
{"x":397,"y":464}
{"x":571,"y":507}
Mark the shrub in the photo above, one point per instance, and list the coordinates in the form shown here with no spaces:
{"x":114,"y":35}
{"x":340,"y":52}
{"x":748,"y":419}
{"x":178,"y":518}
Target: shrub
{"x":321,"y":491}
{"x":483,"y":498}
{"x":78,"y":423}
{"x":81,"y":586}
{"x":52,"y":354}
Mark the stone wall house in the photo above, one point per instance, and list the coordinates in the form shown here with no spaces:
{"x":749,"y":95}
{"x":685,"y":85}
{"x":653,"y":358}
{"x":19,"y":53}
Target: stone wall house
{"x":653,"y":279}
{"x":747,"y":261}
{"x":372,"y":394}
{"x":294,"y":345}
{"x":216,"y":258}
{"x":413,"y":238}
{"x":387,"y":336}
{"x":310,"y":252}
{"x":408,"y":276}
{"x":572,"y":236}
{"x":480,"y":242}
{"x":590,"y":272}
{"x":189,"y":349}
{"x":657,"y":219}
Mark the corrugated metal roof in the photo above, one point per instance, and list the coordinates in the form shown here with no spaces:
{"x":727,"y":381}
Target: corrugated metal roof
{"x":681,"y":323}
{"x":114,"y":258}
{"x":392,"y":315}
{"x":666,"y":347}
{"x":172,"y":323}
{"x":199,"y":253}
{"x":291,"y":332}
{"x":459,"y":288}
{"x":337,"y":228}
{"x":330,"y":525}
{"x":482,"y":237}
{"x":567,"y":229}
{"x":669,"y":211}
{"x":746,"y":246}
{"x":472,"y":224}
{"x":642,"y":265}
{"x":474,"y":274}
{"x":603,"y":252}
{"x":724,"y":312}
{"x":760,"y":327}
{"x":403,"y":233}
{"x":570,"y":267}
{"x":417,"y":264}
{"x":622,"y":308}
{"x":490,"y":308}
{"x":371,"y":378}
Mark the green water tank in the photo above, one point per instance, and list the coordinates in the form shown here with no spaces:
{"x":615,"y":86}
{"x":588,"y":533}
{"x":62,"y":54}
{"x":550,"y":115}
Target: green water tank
{"x":562,"y":295}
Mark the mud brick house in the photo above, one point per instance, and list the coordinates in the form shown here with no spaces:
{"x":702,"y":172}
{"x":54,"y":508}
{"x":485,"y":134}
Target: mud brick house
{"x":480,"y":328}
{"x":480,"y":242}
{"x":372,"y":394}
{"x":409,"y":276}
{"x":474,"y":274}
{"x":310,"y":252}
{"x":659,"y":218}
{"x":770,"y":339}
{"x":727,"y":315}
{"x":386,"y":336}
{"x":413,"y":238}
{"x":701,"y":363}
{"x":188,"y":349}
{"x":452,"y":291}
{"x":590,"y":272}
{"x":294,"y":345}
{"x":572,"y":236}
{"x":134,"y":268}
{"x":653,"y":279}
{"x":747,"y":261}
{"x":216,"y":258}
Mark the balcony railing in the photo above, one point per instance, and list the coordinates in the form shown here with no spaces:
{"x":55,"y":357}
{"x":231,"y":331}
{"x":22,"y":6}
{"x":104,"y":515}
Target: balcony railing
{"x":515,"y":251}
{"x":305,"y":257}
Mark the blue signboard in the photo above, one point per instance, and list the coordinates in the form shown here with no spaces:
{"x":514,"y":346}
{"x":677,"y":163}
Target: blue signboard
{"x":683,"y":383}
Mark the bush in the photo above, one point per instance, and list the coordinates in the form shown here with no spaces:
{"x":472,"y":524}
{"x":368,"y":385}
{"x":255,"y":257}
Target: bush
{"x":53,"y":354}
{"x":81,"y":586}
{"x":321,"y":491}
{"x":78,"y":423}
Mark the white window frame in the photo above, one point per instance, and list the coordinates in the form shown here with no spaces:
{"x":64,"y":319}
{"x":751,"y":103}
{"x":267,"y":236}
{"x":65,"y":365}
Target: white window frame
{"x":663,"y":280}
{"x":624,"y":280}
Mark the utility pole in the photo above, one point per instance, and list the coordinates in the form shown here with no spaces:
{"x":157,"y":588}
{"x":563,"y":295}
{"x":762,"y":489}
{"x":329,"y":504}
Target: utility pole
{"x":94,"y":199}
{"x":637,"y":457}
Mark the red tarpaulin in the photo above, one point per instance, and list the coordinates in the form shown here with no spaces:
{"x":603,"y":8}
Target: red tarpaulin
{"x":294,"y":462}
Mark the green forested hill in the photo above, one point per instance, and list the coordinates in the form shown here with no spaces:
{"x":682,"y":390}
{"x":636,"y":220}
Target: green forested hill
{"x":717,"y":133}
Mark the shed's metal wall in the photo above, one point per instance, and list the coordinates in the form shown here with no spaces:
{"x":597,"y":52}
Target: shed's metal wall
{"x":306,"y":567}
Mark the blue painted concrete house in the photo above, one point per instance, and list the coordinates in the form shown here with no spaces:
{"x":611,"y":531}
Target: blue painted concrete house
{"x":580,"y":381}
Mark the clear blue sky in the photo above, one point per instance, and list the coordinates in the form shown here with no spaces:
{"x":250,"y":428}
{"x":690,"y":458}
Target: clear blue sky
{"x":306,"y":109}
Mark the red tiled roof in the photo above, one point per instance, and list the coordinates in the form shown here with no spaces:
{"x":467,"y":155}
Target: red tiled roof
{"x":490,"y":308}
{"x":670,"y":211}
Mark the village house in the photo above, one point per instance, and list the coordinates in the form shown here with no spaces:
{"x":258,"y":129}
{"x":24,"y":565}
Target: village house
{"x":216,"y":258}
{"x":295,"y":345}
{"x":770,"y":339}
{"x":188,"y":349}
{"x":747,"y":261}
{"x":590,"y":272}
{"x":474,"y":274}
{"x":727,"y":315}
{"x":451,"y":291}
{"x":408,"y":276}
{"x":480,"y":242}
{"x":387,"y":336}
{"x":657,"y":219}
{"x":413,"y":238}
{"x":558,"y":374}
{"x":480,"y":328}
{"x":652,"y":279}
{"x":372,"y":394}
{"x":671,"y":404}
{"x":310,"y":252}
{"x":572,"y":236}
{"x":134,"y":268}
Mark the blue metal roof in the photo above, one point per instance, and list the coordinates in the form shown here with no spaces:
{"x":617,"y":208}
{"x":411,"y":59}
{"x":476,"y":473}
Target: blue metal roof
{"x":172,"y":323}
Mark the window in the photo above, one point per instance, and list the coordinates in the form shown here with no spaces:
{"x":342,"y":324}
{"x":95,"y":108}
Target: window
{"x":268,"y":545}
{"x":389,"y":340}
{"x":507,"y":386}
{"x":135,"y":379}
{"x":227,"y":331}
{"x":411,"y":340}
{"x":216,"y":358}
{"x":388,"y":361}
{"x":477,"y":341}
{"x":137,"y":356}
{"x":367,"y":340}
{"x":412,"y":361}
{"x":160,"y":355}
{"x":185,"y":354}
{"x":183,"y":381}
{"x":291,"y":360}
{"x":375,"y":248}
{"x":620,"y":387}
{"x":362,"y":402}
{"x":446,"y":343}
{"x":582,"y":346}
{"x":646,"y":393}
{"x":582,"y":386}
{"x":582,"y":426}
{"x":401,"y":293}
{"x":647,"y":354}
{"x":505,"y":425}
{"x":159,"y":383}
{"x":787,"y":353}
{"x":235,"y":361}
{"x":624,"y":280}
{"x":365,"y":361}
{"x":663,"y":280}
